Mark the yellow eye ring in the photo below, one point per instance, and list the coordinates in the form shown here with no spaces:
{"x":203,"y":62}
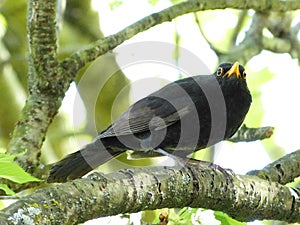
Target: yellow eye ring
{"x":244,"y":75}
{"x":220,"y":71}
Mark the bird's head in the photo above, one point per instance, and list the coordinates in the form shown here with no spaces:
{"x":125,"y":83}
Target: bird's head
{"x":229,"y":70}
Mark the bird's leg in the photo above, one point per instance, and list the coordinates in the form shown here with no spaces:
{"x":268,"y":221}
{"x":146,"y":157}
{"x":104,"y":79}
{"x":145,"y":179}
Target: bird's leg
{"x":179,"y":160}
{"x":182,"y":162}
{"x":226,"y":172}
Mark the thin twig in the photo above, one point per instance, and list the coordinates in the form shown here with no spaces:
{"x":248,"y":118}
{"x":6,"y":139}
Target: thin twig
{"x":241,"y":19}
{"x":246,"y":134}
{"x":211,"y":45}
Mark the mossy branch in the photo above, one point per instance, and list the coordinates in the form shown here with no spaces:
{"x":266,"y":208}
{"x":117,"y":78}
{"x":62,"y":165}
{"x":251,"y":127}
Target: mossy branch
{"x":283,"y":170}
{"x":45,"y":96}
{"x":246,"y":134}
{"x":245,"y":198}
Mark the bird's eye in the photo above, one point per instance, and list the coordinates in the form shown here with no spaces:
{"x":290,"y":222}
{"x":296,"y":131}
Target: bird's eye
{"x":220,"y":71}
{"x":244,"y":75}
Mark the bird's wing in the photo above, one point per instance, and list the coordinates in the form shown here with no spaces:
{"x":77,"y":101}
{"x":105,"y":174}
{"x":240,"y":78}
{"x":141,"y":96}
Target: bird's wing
{"x":156,"y":111}
{"x":141,"y":117}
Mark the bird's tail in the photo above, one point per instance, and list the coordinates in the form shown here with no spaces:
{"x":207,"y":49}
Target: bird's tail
{"x":79,"y":163}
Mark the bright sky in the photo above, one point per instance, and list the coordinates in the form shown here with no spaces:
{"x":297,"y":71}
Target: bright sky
{"x":280,"y":96}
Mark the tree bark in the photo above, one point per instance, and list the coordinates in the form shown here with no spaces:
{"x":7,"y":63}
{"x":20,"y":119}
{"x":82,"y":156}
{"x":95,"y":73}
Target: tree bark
{"x":243,"y":197}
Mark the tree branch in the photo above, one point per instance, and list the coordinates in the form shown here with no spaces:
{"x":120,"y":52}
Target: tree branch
{"x":43,"y":102}
{"x":211,"y":45}
{"x":283,"y":170}
{"x":100,"y":47}
{"x":243,"y":197}
{"x":252,"y":43}
{"x":247,"y":134}
{"x":285,"y":36}
{"x":237,"y":29}
{"x":284,"y":45}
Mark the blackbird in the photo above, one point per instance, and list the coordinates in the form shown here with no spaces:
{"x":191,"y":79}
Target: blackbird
{"x":184,"y":116}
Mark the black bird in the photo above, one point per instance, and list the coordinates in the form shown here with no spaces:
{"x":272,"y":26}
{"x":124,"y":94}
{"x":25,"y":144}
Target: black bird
{"x":184,"y":116}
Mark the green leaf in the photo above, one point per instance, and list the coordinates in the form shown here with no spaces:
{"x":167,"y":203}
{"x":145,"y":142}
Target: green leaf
{"x":182,"y":216}
{"x":9,"y":158}
{"x":6,"y":158}
{"x":226,"y":220}
{"x":149,"y":216}
{"x":14,"y":172}
{"x":6,"y":189}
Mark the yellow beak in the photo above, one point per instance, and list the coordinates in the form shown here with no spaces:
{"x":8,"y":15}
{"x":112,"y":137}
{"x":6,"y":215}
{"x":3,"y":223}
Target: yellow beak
{"x":234,"y":70}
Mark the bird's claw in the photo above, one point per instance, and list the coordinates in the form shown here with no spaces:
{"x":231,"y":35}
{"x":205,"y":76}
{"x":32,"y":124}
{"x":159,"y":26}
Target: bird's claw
{"x":226,"y":172}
